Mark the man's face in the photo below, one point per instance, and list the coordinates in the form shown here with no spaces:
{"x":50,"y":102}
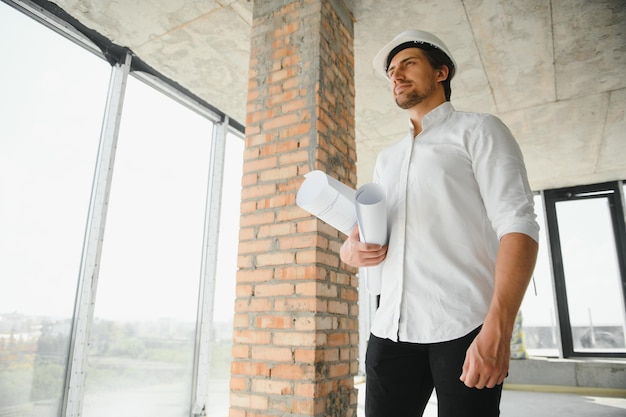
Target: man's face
{"x":413,"y":79}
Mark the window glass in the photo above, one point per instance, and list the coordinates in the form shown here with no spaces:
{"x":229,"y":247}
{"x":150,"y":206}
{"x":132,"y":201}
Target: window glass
{"x":592,"y":277}
{"x":221,"y":340}
{"x":538,"y":311}
{"x":53,"y":93}
{"x":142,"y":341}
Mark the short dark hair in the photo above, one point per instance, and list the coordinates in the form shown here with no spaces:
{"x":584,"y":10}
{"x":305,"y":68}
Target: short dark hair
{"x":435,"y":56}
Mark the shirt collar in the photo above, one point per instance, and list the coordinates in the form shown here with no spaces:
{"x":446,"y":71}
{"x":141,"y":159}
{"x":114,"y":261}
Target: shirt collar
{"x":435,"y":115}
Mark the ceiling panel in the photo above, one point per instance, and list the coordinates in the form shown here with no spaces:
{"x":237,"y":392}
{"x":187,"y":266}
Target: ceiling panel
{"x":589,"y":46}
{"x":514,"y":39}
{"x":552,"y":70}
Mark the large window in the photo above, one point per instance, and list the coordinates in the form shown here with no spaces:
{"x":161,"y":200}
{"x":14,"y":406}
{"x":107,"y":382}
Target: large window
{"x":50,"y":119}
{"x":575,"y":304}
{"x":588,"y":248}
{"x":155,"y":319}
{"x":142,"y":342}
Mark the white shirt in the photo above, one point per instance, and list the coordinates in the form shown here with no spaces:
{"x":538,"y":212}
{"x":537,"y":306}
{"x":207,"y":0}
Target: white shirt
{"x":452,"y":192}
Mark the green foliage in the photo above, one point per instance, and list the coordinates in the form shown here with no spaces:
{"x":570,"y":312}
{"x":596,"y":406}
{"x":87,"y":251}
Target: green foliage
{"x":48,"y":379}
{"x":15,"y":385}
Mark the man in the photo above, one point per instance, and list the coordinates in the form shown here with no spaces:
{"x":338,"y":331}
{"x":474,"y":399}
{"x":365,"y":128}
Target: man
{"x":462,"y":246}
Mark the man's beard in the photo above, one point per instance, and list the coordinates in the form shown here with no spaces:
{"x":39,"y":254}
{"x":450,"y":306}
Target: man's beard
{"x":410,"y":100}
{"x":413,"y":97}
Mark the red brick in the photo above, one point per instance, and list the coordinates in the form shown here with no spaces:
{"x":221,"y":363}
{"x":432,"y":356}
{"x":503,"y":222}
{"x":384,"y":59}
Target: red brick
{"x":338,"y":339}
{"x":272,"y":387}
{"x":249,"y":179}
{"x":298,"y":372}
{"x":277,"y":258}
{"x":258,"y":218}
{"x":276,"y":230}
{"x":255,"y":246}
{"x":248,"y":368}
{"x":279,"y":173}
{"x":280,"y":200}
{"x":258,"y":164}
{"x":240,"y":351}
{"x":246,"y":233}
{"x":300,"y":242}
{"x":338,"y":369}
{"x":300,"y":304}
{"x":304,"y":406}
{"x":294,"y":338}
{"x":238,"y":384}
{"x":316,"y":289}
{"x":337,"y":307}
{"x":299,"y":272}
{"x":273,"y":322}
{"x":252,"y":304}
{"x":248,"y":207}
{"x":274,"y":289}
{"x":257,"y":275}
{"x":305,"y":389}
{"x":243,"y":290}
{"x":240,"y":320}
{"x":270,"y":353}
{"x":252,"y":337}
{"x":293,"y":157}
{"x":258,"y":191}
{"x":331,"y":355}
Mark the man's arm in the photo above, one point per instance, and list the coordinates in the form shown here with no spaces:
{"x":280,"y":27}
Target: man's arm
{"x":487,"y":359}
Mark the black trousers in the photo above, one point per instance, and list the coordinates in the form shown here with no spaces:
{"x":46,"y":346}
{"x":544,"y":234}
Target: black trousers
{"x":400,"y":378}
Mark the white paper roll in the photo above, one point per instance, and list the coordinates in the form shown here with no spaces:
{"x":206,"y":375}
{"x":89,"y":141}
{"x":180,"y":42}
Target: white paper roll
{"x":344,"y":209}
{"x":371,"y":209}
{"x":329,"y":200}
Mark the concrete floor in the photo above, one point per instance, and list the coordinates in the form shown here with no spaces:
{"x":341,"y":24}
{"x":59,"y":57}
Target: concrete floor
{"x":539,"y":404}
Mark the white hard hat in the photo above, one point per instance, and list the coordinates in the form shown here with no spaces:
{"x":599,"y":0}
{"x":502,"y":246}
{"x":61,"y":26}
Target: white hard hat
{"x":418,"y":37}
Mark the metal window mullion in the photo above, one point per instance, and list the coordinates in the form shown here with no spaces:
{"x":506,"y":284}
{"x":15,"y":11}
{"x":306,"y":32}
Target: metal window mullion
{"x":92,"y":246}
{"x":622,"y":197}
{"x":565,"y":330}
{"x":555,"y":301}
{"x":206,"y":298}
{"x":618,"y":220}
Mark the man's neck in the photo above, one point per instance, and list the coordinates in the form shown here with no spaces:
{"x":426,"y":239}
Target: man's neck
{"x":417,"y":112}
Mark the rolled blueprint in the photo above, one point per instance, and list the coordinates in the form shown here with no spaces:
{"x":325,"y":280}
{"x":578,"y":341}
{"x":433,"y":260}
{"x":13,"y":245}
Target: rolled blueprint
{"x":344,"y":209}
{"x":371,"y":212}
{"x":329,"y":200}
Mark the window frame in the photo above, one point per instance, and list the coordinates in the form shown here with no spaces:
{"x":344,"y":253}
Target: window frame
{"x":613,"y":191}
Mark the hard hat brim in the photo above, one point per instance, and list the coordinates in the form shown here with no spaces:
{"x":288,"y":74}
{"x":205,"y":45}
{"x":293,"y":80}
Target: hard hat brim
{"x":416,"y":36}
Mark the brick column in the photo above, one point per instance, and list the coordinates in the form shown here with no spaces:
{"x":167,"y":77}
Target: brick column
{"x":296,"y":313}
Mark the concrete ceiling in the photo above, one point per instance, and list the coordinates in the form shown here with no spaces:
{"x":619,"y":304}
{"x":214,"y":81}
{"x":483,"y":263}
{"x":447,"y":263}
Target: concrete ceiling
{"x":553,"y":70}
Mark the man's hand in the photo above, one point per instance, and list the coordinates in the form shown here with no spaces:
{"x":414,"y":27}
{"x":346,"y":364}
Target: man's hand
{"x":357,"y":254}
{"x":487,"y":359}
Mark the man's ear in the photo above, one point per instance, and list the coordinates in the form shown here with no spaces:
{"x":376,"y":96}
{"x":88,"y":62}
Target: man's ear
{"x":442,"y":73}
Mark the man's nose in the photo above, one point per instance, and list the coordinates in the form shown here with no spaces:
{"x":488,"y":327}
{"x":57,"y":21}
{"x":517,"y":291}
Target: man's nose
{"x":397,"y":75}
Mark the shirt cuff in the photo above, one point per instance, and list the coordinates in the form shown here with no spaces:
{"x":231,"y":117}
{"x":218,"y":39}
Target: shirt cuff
{"x":530,"y":229}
